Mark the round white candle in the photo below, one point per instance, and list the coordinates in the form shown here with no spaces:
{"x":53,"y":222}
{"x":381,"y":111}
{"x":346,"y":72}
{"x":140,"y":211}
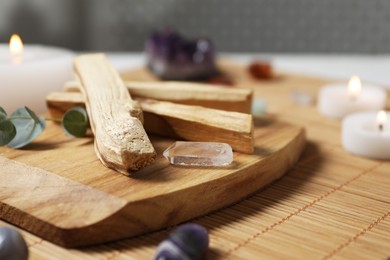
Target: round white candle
{"x":367,"y":134}
{"x":338,"y":100}
{"x":27,"y":78}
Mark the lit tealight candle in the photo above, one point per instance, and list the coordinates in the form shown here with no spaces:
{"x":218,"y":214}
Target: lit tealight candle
{"x":338,"y":100}
{"x":367,"y":134}
{"x":16,"y":48}
{"x":28,"y":73}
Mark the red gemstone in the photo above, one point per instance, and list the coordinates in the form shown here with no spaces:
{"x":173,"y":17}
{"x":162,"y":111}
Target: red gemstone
{"x":260,"y":70}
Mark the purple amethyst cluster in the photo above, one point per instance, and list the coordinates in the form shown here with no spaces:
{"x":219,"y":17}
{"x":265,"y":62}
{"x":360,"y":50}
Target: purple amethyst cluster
{"x":172,"y":57}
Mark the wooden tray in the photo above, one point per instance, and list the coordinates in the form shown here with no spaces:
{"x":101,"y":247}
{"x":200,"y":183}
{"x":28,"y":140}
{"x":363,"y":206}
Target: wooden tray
{"x":331,"y":204}
{"x":57,"y":189}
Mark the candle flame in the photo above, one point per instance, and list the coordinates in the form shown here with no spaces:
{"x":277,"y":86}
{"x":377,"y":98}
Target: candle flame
{"x":354,"y":87}
{"x":16,"y":48}
{"x":381,"y":119}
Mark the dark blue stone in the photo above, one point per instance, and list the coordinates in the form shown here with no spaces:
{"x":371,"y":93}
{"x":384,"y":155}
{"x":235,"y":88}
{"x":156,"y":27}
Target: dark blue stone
{"x":12,"y":245}
{"x":189,"y":241}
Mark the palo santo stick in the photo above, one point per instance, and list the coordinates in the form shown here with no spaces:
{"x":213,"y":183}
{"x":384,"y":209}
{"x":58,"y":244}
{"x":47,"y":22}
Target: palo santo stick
{"x":72,"y":86}
{"x":229,"y":99}
{"x":121,"y":142}
{"x":192,"y":123}
{"x":60,"y":102}
{"x":198,"y":123}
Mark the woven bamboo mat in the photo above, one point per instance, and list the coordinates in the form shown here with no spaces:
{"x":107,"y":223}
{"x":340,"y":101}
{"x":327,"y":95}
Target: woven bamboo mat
{"x":330,"y":205}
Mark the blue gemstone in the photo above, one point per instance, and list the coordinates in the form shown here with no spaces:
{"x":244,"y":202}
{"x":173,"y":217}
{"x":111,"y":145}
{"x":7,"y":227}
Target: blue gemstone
{"x":189,"y":241}
{"x":12,"y":245}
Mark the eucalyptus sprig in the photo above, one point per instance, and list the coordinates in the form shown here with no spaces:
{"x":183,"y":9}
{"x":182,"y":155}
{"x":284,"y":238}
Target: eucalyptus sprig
{"x":23,"y":125}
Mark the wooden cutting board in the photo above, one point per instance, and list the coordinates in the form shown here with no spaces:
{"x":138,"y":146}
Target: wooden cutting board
{"x":57,"y":189}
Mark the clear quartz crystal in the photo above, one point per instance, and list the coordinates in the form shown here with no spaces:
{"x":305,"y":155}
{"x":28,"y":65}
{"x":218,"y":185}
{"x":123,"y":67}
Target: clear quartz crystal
{"x":199,"y":154}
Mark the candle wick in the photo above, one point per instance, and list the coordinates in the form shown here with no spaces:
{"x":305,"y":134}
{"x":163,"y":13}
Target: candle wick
{"x":381,"y":127}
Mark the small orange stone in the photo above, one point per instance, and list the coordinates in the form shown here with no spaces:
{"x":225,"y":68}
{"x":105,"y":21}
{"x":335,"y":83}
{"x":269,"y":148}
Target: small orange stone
{"x":261,"y":70}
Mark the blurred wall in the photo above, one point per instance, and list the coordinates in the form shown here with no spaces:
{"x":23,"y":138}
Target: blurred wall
{"x":331,"y":26}
{"x":53,"y":22}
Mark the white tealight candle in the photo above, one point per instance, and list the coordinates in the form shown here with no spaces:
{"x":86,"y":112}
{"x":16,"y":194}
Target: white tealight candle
{"x":338,"y":100}
{"x":28,"y":73}
{"x":367,"y":134}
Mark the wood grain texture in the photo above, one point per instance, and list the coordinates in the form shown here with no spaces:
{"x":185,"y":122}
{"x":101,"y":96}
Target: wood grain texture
{"x":155,"y":197}
{"x":198,"y":123}
{"x":206,"y":95}
{"x":40,"y":200}
{"x":183,"y":122}
{"x":330,"y":204}
{"x":121,"y":142}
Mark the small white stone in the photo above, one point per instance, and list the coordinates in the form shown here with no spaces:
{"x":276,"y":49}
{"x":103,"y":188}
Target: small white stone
{"x":199,"y":154}
{"x":259,"y":107}
{"x":301,"y":98}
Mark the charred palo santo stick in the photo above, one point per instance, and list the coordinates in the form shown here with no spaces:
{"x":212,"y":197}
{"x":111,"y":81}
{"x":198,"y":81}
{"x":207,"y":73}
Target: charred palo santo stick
{"x":121,"y":142}
{"x":178,"y":121}
{"x":229,"y":99}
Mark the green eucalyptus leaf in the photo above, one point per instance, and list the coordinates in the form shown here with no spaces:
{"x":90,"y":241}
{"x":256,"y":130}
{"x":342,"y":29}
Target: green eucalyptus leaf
{"x":75,"y":122}
{"x":2,"y":111}
{"x":32,"y":114}
{"x":28,"y":127}
{"x":7,"y":129}
{"x":3,"y":117}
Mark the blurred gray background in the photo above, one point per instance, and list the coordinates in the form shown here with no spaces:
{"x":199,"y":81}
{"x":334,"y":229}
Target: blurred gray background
{"x":300,"y":26}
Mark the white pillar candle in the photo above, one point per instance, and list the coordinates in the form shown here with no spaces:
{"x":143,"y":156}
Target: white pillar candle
{"x":28,"y":74}
{"x":338,"y":100}
{"x":367,"y":134}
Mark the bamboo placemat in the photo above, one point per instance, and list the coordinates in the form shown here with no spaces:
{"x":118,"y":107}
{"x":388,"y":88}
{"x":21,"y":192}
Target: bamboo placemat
{"x":330,"y":205}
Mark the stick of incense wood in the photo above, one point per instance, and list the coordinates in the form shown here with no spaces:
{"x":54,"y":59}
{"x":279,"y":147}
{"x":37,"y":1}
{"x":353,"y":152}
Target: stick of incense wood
{"x":206,"y":95}
{"x":186,"y":122}
{"x":121,"y":142}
